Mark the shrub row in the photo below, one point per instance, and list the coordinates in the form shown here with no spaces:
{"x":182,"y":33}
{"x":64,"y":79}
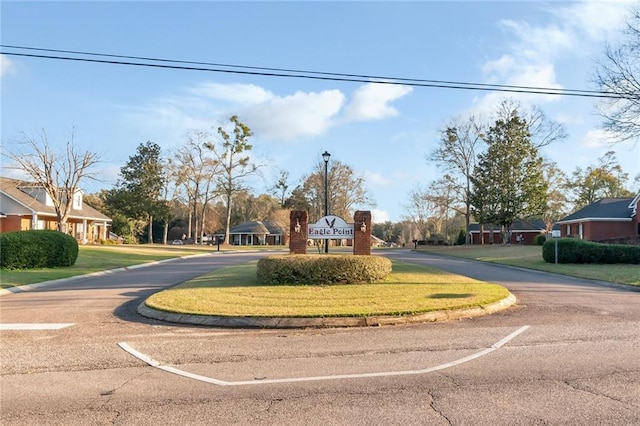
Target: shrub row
{"x":539,"y":239}
{"x":37,"y":249}
{"x":322,"y":269}
{"x":571,"y":250}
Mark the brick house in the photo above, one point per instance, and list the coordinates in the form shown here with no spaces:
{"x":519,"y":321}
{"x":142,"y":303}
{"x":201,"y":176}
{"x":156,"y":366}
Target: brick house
{"x":522,"y":232}
{"x":256,"y":233}
{"x":606,"y":220}
{"x":26,"y":205}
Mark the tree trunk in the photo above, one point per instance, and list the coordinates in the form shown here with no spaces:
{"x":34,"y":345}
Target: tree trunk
{"x":150,"y":239}
{"x":166,"y":232}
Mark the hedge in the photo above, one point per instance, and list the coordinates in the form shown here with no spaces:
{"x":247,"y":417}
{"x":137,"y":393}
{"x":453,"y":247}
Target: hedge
{"x":322,"y":269}
{"x":571,"y":250}
{"x":37,"y":249}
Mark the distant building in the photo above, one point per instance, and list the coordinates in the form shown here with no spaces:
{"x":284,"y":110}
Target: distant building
{"x":256,"y":233}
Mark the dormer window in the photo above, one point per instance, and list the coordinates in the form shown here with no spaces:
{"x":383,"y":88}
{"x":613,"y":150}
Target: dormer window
{"x":77,"y":200}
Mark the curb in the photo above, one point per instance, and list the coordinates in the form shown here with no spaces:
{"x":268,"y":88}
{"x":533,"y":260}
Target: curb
{"x":324,"y":322}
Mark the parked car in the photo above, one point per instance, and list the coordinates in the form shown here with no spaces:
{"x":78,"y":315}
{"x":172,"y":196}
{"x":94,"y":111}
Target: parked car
{"x":177,"y":242}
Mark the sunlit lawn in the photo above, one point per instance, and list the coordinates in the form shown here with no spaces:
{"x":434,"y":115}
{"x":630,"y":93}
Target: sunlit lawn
{"x":99,"y":258}
{"x":531,"y":257}
{"x":410,"y":289}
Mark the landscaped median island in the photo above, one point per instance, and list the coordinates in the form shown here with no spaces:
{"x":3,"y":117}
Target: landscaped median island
{"x":409,"y":290}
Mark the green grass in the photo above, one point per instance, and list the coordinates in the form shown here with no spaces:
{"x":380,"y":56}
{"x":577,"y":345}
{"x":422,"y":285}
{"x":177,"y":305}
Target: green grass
{"x":409,"y":289}
{"x":530,"y":257}
{"x":99,"y":258}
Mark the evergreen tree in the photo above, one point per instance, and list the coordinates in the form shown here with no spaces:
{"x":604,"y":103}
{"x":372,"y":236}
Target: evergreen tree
{"x":138,"y":191}
{"x":509,"y":183}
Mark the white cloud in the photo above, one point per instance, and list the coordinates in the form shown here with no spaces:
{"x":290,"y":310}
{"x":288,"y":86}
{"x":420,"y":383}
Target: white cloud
{"x":595,"y":18}
{"x":371,"y":101}
{"x":299,"y":115}
{"x":375,"y":178}
{"x":7,"y":66}
{"x":532,"y":51}
{"x":270,"y":116}
{"x":243,"y":94}
{"x":597,"y":138}
{"x":379,"y":216}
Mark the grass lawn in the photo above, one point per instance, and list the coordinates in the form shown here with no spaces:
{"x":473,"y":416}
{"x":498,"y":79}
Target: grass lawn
{"x":409,"y":289}
{"x":100,"y":258}
{"x":531,"y":257}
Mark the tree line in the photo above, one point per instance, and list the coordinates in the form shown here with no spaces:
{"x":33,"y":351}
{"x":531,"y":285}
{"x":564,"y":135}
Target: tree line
{"x":494,"y":173}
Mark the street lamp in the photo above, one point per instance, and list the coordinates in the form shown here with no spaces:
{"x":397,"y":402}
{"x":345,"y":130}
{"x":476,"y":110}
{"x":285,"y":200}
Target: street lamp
{"x":325,"y":157}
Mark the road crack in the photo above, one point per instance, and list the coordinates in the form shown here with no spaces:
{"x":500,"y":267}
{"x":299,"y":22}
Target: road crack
{"x":434,"y":398}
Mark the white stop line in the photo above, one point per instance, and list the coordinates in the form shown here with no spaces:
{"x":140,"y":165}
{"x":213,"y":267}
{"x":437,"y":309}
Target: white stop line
{"x":34,"y":326}
{"x":156,"y":364}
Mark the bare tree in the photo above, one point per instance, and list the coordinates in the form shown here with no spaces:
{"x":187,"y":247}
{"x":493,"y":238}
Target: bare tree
{"x":460,"y":143}
{"x":231,"y":153}
{"x":197,"y":174}
{"x":58,"y":172}
{"x":618,"y":74}
{"x":418,"y":208}
{"x":557,"y":199}
{"x":346,"y":190}
{"x":542,"y":130}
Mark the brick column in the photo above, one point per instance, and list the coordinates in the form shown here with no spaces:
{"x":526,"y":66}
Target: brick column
{"x":362,"y":239}
{"x":298,"y":232}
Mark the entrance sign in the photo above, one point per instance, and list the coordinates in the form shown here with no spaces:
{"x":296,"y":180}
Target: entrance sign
{"x":330,"y":227}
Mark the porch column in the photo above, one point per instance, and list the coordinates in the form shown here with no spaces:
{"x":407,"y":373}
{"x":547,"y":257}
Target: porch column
{"x":84,"y":231}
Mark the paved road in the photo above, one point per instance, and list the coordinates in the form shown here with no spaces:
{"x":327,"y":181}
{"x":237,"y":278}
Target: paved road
{"x":567,"y":353}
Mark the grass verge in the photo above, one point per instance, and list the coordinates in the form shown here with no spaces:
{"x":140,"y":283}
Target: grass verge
{"x":99,"y":258}
{"x":530,"y":257}
{"x":409,"y":289}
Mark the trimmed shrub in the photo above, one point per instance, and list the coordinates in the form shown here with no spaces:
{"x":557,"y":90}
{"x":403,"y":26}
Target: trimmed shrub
{"x":322,"y":269}
{"x":37,"y":249}
{"x":462,"y":238}
{"x":571,"y":250}
{"x":539,"y":239}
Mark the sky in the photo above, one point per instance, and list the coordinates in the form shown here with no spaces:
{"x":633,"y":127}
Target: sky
{"x":383,"y":132}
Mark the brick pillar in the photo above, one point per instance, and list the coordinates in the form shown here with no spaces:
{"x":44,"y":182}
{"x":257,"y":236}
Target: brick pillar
{"x":298,"y":232}
{"x":362,"y":239}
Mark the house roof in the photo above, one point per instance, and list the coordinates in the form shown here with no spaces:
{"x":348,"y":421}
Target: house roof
{"x":535,"y":225}
{"x":257,"y":227}
{"x":604,"y":209}
{"x":11,"y":188}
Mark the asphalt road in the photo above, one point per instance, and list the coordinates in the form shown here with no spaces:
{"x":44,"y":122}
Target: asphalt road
{"x":567,"y":353}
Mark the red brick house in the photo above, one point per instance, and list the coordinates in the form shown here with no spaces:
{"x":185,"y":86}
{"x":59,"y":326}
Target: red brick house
{"x":26,"y":205}
{"x":608,"y":219}
{"x":522,"y":232}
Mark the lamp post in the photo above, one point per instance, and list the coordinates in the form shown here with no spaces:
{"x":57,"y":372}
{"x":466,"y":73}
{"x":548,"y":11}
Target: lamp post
{"x":325,"y":157}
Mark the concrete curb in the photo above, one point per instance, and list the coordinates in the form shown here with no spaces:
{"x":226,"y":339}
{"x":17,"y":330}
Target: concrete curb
{"x":326,"y":322}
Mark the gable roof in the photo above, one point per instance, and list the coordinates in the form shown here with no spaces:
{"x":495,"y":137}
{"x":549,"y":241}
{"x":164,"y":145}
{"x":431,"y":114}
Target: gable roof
{"x":11,"y":188}
{"x":257,"y":227}
{"x":605,"y":209}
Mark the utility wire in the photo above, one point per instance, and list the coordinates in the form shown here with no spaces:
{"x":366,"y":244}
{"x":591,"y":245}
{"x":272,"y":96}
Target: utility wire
{"x":293,"y":73}
{"x":294,"y":70}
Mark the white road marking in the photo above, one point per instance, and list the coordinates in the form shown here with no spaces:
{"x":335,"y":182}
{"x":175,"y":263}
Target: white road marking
{"x":34,"y":326}
{"x":153,"y":363}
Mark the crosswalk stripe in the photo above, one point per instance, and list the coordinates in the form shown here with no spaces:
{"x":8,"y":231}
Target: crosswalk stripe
{"x":34,"y":326}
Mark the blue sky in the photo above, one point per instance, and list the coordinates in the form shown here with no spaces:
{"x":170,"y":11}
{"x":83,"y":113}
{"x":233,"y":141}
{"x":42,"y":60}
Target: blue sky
{"x":383,"y":132}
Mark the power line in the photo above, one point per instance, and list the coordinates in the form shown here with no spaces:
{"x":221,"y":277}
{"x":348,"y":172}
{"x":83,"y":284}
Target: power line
{"x":293,"y":73}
